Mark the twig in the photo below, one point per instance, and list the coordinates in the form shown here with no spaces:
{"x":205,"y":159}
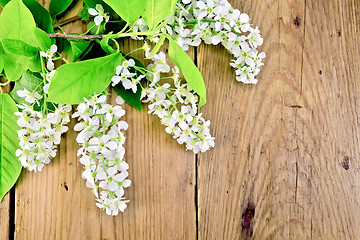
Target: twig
{"x":74,"y":36}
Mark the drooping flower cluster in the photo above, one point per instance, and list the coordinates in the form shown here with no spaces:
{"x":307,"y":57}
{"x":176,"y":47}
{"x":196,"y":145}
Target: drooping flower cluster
{"x":127,"y":78}
{"x":40,"y":133}
{"x":177,"y":107}
{"x":102,"y":153}
{"x":41,"y":129}
{"x":214,"y":22}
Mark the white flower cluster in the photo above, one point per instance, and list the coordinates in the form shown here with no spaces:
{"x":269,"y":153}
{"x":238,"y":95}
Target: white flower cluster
{"x":177,"y":108}
{"x":102,"y":152}
{"x":40,"y":133}
{"x":214,"y":22}
{"x":128,"y":79}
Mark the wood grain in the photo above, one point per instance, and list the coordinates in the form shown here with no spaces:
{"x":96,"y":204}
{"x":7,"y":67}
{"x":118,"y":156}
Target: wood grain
{"x":286,"y":161}
{"x":287,"y":149}
{"x":5,"y":217}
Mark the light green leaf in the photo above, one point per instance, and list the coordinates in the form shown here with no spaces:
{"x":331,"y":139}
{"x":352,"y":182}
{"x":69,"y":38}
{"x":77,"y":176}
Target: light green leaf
{"x":42,"y":39}
{"x":130,"y":11}
{"x":19,"y":47}
{"x":187,"y":67}
{"x":156,"y":11}
{"x":15,"y":65}
{"x":157,"y":46}
{"x":74,"y":81}
{"x":40,"y":14}
{"x":10,"y":166}
{"x":17,"y":22}
{"x":1,"y":58}
{"x":104,"y":43}
{"x":75,"y":49}
{"x":35,"y":63}
{"x":57,"y":7}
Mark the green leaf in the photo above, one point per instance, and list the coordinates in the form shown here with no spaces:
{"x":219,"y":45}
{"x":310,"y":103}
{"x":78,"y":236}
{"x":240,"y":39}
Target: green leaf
{"x":19,"y":47}
{"x":31,"y":82}
{"x":157,"y":46}
{"x":17,"y":22}
{"x":92,"y":3}
{"x":40,"y":14}
{"x":74,"y":49}
{"x":42,"y":39}
{"x":156,"y":11}
{"x":187,"y":67}
{"x":129,"y":96}
{"x":35,"y":63}
{"x":1,"y":58}
{"x":130,"y":11}
{"x":57,"y":7}
{"x":104,"y":43}
{"x":10,"y":166}
{"x":15,"y":65}
{"x":74,"y":81}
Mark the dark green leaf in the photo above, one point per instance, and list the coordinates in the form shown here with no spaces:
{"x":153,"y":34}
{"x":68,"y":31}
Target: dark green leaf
{"x":74,"y":81}
{"x":156,"y":11}
{"x":92,"y":3}
{"x":57,"y":7}
{"x":40,"y":14}
{"x":187,"y":67}
{"x":19,"y":47}
{"x":10,"y":166}
{"x":130,"y":11}
{"x":3,"y":2}
{"x":42,"y":39}
{"x":129,"y":96}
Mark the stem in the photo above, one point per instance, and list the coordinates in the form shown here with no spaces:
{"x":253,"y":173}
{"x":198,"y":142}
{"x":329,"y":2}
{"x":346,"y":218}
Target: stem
{"x":44,"y":79}
{"x":86,"y":37}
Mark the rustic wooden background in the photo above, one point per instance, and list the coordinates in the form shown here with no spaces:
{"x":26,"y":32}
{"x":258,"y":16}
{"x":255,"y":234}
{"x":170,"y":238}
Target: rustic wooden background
{"x":286,"y":161}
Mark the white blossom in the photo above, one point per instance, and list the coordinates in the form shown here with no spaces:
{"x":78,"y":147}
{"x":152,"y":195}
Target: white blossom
{"x":102,"y":152}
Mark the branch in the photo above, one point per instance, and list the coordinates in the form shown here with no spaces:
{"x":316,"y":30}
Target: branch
{"x":74,"y":36}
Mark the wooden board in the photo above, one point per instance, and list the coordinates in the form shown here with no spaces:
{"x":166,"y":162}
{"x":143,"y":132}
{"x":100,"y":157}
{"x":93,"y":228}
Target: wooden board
{"x":286,"y":161}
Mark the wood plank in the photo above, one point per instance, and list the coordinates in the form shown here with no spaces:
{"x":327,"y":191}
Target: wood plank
{"x":283,"y":145}
{"x":5,"y":217}
{"x":55,"y":204}
{"x":329,"y":124}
